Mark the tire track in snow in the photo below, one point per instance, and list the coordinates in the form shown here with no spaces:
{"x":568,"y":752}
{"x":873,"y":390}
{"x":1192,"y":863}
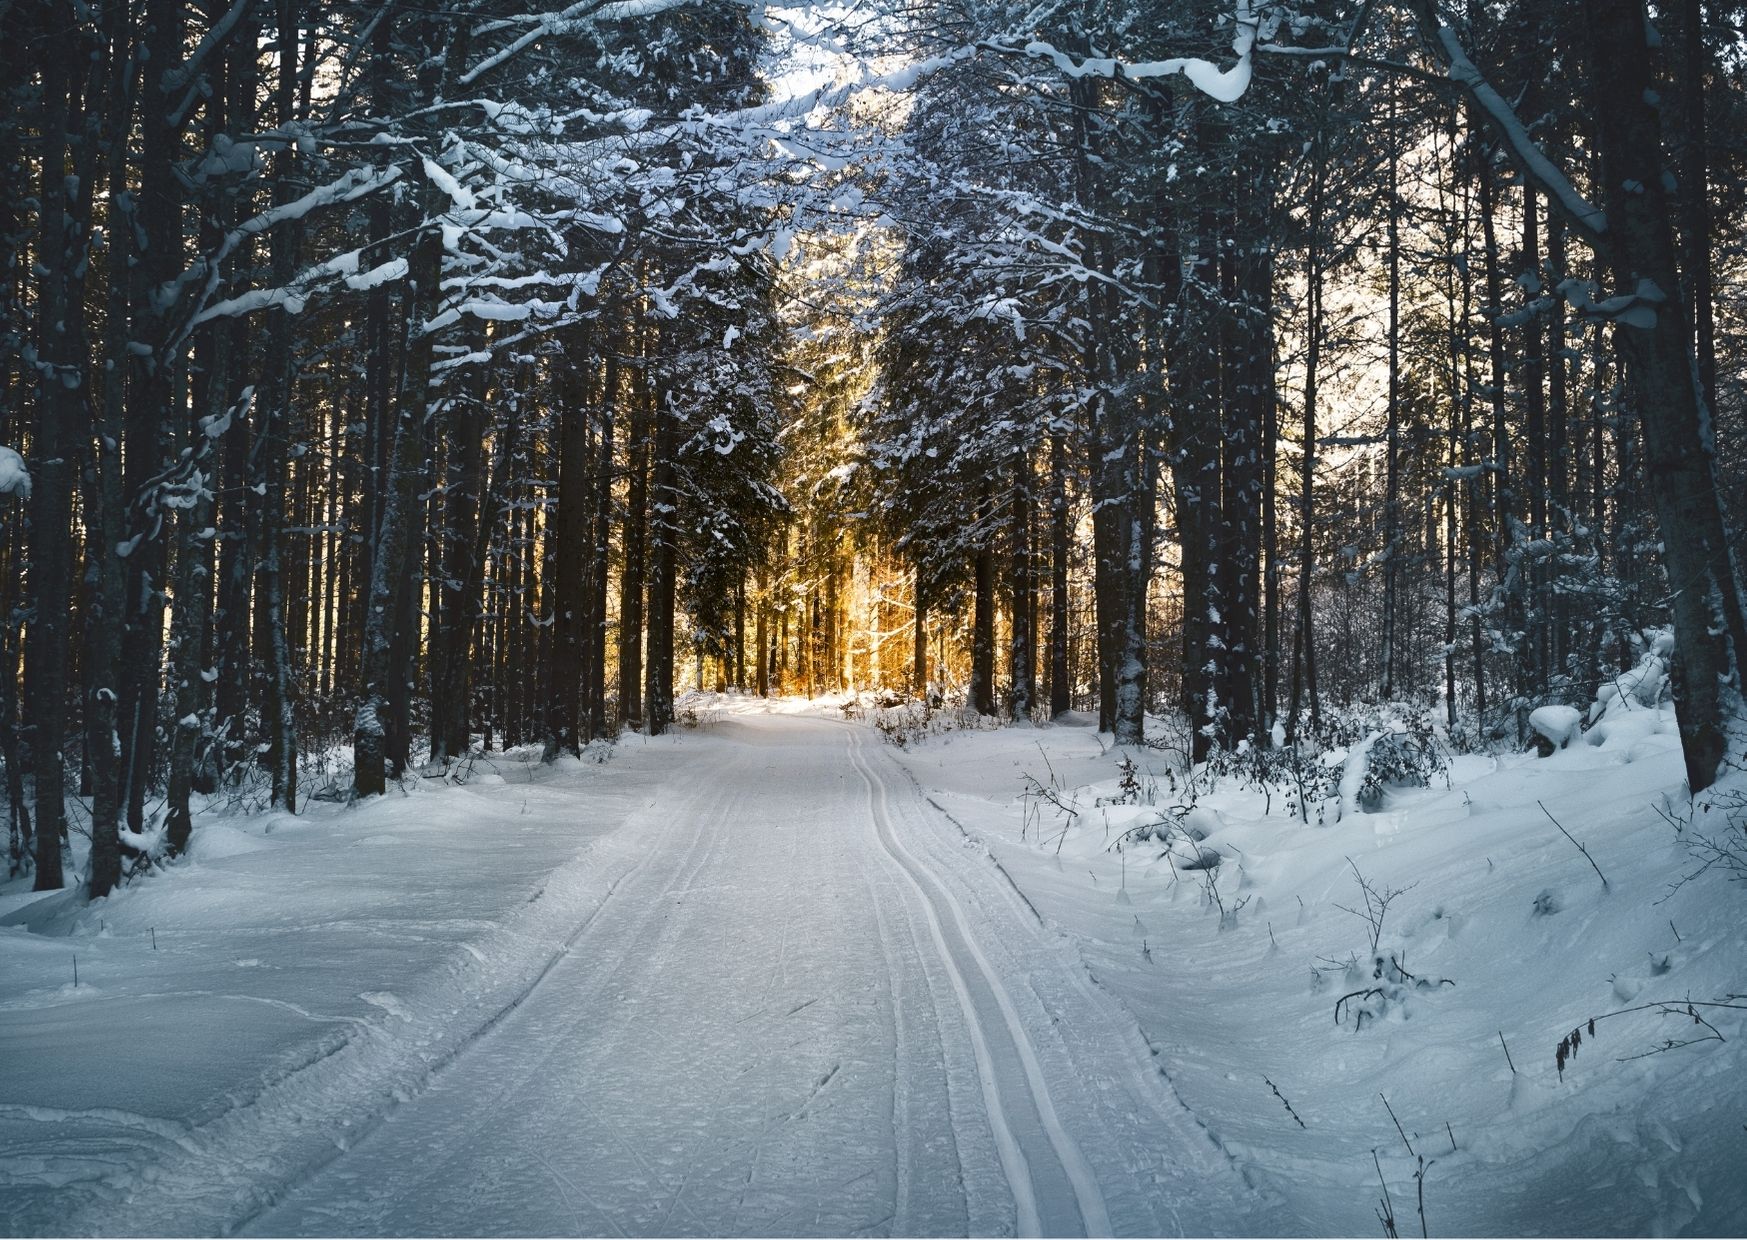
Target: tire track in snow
{"x":1094,"y":1216}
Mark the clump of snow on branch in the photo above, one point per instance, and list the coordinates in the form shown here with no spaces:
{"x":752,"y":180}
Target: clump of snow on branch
{"x":14,"y":477}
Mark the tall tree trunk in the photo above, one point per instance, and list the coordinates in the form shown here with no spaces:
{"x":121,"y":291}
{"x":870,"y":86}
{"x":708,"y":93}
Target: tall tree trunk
{"x":919,"y":633}
{"x":570,"y":548}
{"x":982,"y":685}
{"x":1304,"y":639}
{"x":1060,"y":685}
{"x":1021,"y":644}
{"x":278,"y":706}
{"x":61,"y":376}
{"x":663,"y":568}
{"x":1558,"y":441}
{"x":457,"y":588}
{"x":391,"y":561}
{"x":1695,"y":201}
{"x":1710,"y":621}
{"x":634,"y":534}
{"x":154,"y":396}
{"x":1392,"y":440}
{"x":601,"y":552}
{"x":105,"y":501}
{"x":1531,"y":580}
{"x":761,"y":636}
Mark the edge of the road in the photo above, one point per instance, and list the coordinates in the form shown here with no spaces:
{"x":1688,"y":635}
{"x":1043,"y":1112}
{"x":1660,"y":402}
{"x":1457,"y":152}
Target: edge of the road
{"x":227,"y":1171}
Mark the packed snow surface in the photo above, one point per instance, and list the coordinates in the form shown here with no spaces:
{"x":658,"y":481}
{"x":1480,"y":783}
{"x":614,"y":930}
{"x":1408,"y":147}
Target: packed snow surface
{"x":773,"y":976}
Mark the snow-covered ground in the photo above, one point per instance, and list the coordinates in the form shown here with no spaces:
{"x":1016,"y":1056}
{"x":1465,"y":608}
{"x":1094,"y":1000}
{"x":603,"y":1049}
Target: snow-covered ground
{"x":775,"y":976}
{"x":1627,"y":1140}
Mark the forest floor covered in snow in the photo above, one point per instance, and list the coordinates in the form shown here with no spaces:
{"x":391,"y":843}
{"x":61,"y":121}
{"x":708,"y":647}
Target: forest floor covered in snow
{"x":1064,"y":980}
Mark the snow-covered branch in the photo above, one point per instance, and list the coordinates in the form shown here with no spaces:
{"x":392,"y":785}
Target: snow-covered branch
{"x":1585,"y":218}
{"x":568,"y":21}
{"x":1223,"y":85}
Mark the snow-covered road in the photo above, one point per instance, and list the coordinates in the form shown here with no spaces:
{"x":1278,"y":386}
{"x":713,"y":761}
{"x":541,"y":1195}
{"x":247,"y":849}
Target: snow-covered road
{"x":807,"y":1008}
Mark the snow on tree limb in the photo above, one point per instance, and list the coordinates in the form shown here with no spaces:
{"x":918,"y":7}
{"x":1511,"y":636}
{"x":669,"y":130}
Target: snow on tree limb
{"x":568,"y":21}
{"x":1585,"y":218}
{"x":354,"y":185}
{"x":14,"y":477}
{"x":184,"y":73}
{"x":1223,"y":85}
{"x":204,"y":272}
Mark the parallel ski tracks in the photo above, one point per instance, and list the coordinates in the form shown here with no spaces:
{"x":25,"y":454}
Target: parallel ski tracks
{"x":1036,"y":1151}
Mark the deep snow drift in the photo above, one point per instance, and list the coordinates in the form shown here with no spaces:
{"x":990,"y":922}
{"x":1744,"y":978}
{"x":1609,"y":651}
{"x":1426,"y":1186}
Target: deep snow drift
{"x":774,"y":976}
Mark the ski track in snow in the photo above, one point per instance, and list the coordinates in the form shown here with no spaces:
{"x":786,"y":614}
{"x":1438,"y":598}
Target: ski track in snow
{"x":1029,"y":1096}
{"x":785,"y":997}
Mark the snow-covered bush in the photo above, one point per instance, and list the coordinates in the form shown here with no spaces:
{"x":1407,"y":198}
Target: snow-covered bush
{"x":1350,"y":759}
{"x":906,"y":722}
{"x":1555,"y":726}
{"x":1643,"y":687}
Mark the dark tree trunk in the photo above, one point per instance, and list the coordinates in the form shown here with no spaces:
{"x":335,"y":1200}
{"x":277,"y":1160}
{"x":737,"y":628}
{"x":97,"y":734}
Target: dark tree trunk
{"x":919,"y":656}
{"x":635,"y":538}
{"x":983,"y":621}
{"x":278,"y":705}
{"x":1392,"y":441}
{"x":1558,"y":440}
{"x":1695,"y":202}
{"x":600,"y":554}
{"x":1304,"y":637}
{"x":155,"y":391}
{"x":105,"y":502}
{"x":1060,"y":685}
{"x":1710,"y":623}
{"x":761,"y":637}
{"x":47,"y":645}
{"x":1249,"y":367}
{"x":1530,"y":610}
{"x":458,"y":583}
{"x":1022,"y":645}
{"x":663,"y":568}
{"x":392,"y":560}
{"x":570,"y":539}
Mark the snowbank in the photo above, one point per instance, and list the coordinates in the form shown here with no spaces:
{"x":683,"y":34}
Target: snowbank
{"x":1281,"y":996}
{"x":268,"y":999}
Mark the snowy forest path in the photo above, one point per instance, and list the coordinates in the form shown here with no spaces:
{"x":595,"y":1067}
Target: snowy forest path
{"x":808,"y":1009}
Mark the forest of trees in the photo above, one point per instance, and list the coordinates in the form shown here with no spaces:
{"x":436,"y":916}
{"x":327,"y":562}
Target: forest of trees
{"x":424,"y":380}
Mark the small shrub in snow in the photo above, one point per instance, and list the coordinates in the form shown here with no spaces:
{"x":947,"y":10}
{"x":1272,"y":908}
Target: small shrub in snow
{"x":1391,"y":986}
{"x":1353,"y":756}
{"x":1376,"y":899}
{"x":1684,"y":1010}
{"x":1713,"y":830}
{"x":904,"y":722}
{"x":1128,"y":784}
{"x":598,"y":751}
{"x":1062,"y":802}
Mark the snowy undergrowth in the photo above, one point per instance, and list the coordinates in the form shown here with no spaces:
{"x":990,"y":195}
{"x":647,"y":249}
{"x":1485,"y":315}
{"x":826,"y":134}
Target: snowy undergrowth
{"x":1423,"y":953}
{"x":243,"y":1015}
